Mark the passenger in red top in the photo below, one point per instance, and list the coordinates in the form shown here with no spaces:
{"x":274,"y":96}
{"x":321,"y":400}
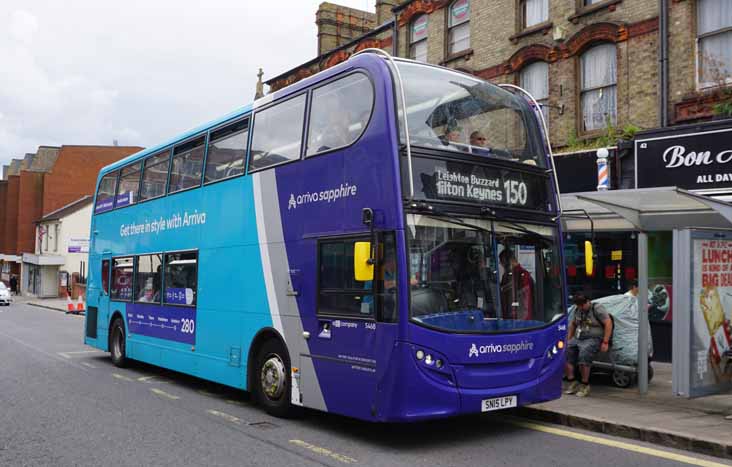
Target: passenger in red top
{"x":517,"y":288}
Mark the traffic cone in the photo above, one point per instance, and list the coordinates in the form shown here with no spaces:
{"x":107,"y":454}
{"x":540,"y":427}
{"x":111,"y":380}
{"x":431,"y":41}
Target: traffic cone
{"x":80,"y":305}
{"x":69,"y":305}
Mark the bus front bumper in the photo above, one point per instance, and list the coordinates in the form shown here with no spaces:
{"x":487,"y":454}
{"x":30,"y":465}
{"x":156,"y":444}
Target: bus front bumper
{"x":423,"y":393}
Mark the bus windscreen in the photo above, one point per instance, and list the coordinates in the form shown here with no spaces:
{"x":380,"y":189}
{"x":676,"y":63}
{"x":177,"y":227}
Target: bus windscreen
{"x":452,"y":111}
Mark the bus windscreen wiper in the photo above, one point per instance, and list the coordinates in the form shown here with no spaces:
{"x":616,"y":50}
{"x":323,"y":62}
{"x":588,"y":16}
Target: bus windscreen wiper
{"x":516,"y":226}
{"x":449,"y":218}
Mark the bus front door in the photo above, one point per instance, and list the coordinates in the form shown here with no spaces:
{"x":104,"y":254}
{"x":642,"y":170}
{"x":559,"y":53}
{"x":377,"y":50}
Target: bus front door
{"x":343,"y":336}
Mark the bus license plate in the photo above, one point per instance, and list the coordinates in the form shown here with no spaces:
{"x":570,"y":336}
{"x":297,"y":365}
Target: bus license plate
{"x":498,"y":403}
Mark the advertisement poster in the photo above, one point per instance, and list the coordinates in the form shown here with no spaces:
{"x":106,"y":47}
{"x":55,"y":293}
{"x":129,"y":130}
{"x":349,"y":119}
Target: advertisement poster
{"x":711,"y":300}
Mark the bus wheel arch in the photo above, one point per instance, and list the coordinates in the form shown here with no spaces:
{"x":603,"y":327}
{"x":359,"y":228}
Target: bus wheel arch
{"x":269,"y":373}
{"x":117,"y":340}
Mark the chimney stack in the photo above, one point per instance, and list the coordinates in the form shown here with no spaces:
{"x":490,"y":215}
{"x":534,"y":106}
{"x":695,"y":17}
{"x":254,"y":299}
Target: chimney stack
{"x":338,"y":25}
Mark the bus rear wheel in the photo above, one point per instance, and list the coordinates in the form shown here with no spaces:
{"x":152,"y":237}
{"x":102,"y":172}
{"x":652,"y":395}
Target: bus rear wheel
{"x":272,"y":379}
{"x":117,"y":343}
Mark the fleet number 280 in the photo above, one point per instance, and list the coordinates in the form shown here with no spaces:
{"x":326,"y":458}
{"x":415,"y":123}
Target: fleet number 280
{"x":188,"y":326}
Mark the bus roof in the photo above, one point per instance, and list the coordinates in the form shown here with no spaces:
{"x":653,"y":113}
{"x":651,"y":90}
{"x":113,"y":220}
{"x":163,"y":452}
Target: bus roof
{"x":240,"y":112}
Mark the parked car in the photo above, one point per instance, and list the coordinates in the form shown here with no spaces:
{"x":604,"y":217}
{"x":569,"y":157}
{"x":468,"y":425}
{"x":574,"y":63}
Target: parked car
{"x":5,"y":298}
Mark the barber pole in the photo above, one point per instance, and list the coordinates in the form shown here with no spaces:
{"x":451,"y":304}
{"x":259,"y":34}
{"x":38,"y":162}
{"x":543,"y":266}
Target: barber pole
{"x":603,"y":180}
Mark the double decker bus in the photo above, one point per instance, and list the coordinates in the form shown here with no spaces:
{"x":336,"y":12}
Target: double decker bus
{"x":379,"y":240}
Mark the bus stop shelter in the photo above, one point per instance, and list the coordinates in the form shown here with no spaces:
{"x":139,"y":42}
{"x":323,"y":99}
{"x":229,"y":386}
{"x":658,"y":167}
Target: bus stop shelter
{"x":644,"y":210}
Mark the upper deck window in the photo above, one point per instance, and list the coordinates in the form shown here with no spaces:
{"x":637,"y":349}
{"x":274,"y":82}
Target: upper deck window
{"x":339,"y":113}
{"x":277,"y":136}
{"x":155,"y":175}
{"x":185,"y":171}
{"x":105,"y":193}
{"x":129,"y":183}
{"x":455,"y":112}
{"x":227,"y":152}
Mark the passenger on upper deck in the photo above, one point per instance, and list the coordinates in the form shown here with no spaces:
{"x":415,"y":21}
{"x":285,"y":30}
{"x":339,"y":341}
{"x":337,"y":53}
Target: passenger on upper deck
{"x":478,"y":144}
{"x":452,"y":135}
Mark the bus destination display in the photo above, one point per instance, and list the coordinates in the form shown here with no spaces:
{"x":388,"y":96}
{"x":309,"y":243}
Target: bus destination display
{"x":441,"y":180}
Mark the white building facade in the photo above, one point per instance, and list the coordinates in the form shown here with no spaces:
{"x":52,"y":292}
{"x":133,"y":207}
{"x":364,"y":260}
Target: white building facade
{"x":61,"y":251}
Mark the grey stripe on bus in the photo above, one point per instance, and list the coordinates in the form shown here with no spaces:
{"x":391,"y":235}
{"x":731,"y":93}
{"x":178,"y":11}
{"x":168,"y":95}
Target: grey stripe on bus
{"x":289,"y":313}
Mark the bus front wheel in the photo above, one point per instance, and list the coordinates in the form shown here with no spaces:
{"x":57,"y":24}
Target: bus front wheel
{"x":117,"y":343}
{"x":272,"y":377}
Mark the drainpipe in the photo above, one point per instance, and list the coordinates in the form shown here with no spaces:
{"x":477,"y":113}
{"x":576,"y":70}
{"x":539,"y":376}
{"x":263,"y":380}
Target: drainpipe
{"x":394,"y":35}
{"x":663,"y":60}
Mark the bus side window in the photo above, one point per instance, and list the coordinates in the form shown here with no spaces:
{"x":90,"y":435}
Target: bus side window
{"x":128,"y":186}
{"x":122,"y":279}
{"x":181,"y":278}
{"x":277,"y":134}
{"x":227,"y":152}
{"x":339,"y":293}
{"x":388,"y":274}
{"x":105,"y":276}
{"x":155,"y":175}
{"x":339,"y":113}
{"x":185,"y":170}
{"x":105,"y":193}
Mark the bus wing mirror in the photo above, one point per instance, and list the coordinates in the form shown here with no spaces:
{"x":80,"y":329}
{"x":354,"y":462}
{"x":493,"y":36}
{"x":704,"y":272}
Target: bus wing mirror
{"x":589,"y":258}
{"x":363,"y":265}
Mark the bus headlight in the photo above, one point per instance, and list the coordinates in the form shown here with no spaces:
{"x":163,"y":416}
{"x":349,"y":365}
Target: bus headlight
{"x":420,"y":354}
{"x":428,"y":360}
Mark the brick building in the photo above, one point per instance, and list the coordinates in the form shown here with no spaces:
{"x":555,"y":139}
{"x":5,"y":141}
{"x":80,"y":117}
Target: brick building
{"x":592,"y":63}
{"x":39,"y":184}
{"x":651,"y":79}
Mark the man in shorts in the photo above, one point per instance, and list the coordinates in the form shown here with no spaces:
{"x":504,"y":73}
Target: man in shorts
{"x":590,"y":329}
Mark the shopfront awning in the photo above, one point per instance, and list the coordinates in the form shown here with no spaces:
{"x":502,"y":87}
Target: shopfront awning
{"x":644,"y":209}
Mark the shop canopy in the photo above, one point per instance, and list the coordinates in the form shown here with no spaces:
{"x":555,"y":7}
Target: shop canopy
{"x":644,"y":209}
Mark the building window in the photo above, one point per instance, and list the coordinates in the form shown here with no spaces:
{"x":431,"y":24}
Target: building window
{"x":56,"y":230}
{"x":339,"y":113}
{"x":418,"y":39}
{"x":714,"y":29}
{"x":185,"y":171}
{"x":599,"y":87}
{"x":591,"y":2}
{"x":181,"y":278}
{"x":277,"y":136}
{"x":535,"y":80}
{"x":227,"y":152}
{"x":458,"y":23}
{"x":534,"y":12}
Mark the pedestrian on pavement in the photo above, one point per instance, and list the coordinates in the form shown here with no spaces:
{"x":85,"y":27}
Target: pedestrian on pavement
{"x":590,"y":329}
{"x":13,"y":285}
{"x":633,"y":290}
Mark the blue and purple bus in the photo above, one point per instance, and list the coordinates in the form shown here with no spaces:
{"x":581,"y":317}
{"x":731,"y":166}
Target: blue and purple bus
{"x":379,"y":240}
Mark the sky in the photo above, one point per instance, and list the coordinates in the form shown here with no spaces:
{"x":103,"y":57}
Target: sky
{"x":90,"y":72}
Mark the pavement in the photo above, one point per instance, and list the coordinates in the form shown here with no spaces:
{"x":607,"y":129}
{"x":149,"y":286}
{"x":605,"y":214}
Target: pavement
{"x":702,"y":425}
